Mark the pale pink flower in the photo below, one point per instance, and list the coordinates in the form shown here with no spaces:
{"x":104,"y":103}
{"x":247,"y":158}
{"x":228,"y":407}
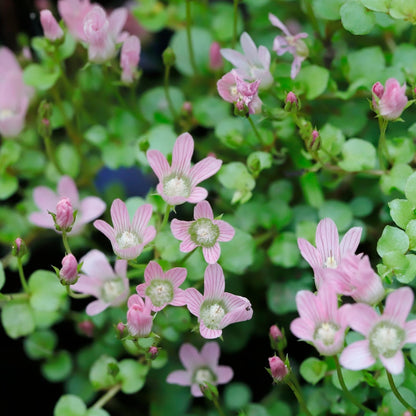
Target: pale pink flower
{"x":385,"y":334}
{"x":278,"y":368}
{"x":321,"y":322}
{"x":200,"y":368}
{"x":389,"y":102}
{"x":290,"y":43}
{"x":204,"y":231}
{"x":216,"y":309}
{"x":69,"y":271}
{"x":328,"y":251}
{"x":243,"y":94}
{"x":102,"y":33}
{"x":64,"y":214}
{"x":139,"y":318}
{"x":97,"y":278}
{"x":51,"y":28}
{"x":253,"y":64}
{"x":128,"y":238}
{"x":129,"y":59}
{"x":163,"y":288}
{"x":14,"y":95}
{"x":73,"y":13}
{"x":354,"y":277}
{"x":177,"y":183}
{"x":215,"y":59}
{"x":46,"y":200}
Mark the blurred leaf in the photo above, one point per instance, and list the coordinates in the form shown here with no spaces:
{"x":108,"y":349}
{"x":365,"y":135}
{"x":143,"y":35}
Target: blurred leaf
{"x":40,"y":344}
{"x":17,"y":318}
{"x":351,"y":378}
{"x":40,"y":77}
{"x":257,"y":161}
{"x":312,"y":189}
{"x":338,"y":211}
{"x":327,"y":9}
{"x":96,"y":134}
{"x":392,"y":240}
{"x":70,"y":405}
{"x":236,"y":396}
{"x":68,"y":159}
{"x":356,"y":19}
{"x":361,"y":206}
{"x":357,"y":155}
{"x":100,"y":376}
{"x":132,"y":375}
{"x":284,"y":250}
{"x":401,"y":211}
{"x":411,"y":233}
{"x":314,"y":79}
{"x":366,"y":64}
{"x":237,"y":254}
{"x":377,"y":5}
{"x":57,"y":367}
{"x":210,"y":110}
{"x":313,"y":370}
{"x":8,"y":185}
{"x":10,"y":152}
{"x":410,"y":189}
{"x":396,"y":179}
{"x":401,"y":149}
{"x":222,"y":15}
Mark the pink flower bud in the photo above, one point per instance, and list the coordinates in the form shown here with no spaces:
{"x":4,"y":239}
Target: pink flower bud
{"x":129,"y":58}
{"x":275,"y":333}
{"x":215,"y":58}
{"x":139,"y":318}
{"x":87,"y":328}
{"x":64,"y":214}
{"x":120,"y":327}
{"x":378,"y":89}
{"x":291,"y":98}
{"x":187,"y":107}
{"x":50,"y":26}
{"x":389,"y":101}
{"x":315,"y":135}
{"x":153,"y":351}
{"x":19,"y":248}
{"x":69,"y":271}
{"x":277,"y":368}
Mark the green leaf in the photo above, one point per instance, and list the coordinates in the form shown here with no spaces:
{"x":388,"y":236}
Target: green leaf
{"x":404,"y":57}
{"x":411,"y":233}
{"x":68,"y":159}
{"x":401,"y":211}
{"x":9,"y":154}
{"x":8,"y":185}
{"x":47,"y":294}
{"x":67,"y":48}
{"x":410,"y":189}
{"x":231,"y":132}
{"x":377,"y":5}
{"x":96,"y":134}
{"x":392,"y":240}
{"x":356,"y":19}
{"x":312,"y":189}
{"x":17,"y":318}
{"x":70,"y":405}
{"x":222,"y":15}
{"x":100,"y":375}
{"x":357,"y":155}
{"x":168,"y":246}
{"x":314,"y":79}
{"x":236,"y":396}
{"x":332,"y":140}
{"x":407,"y":273}
{"x":2,"y":276}
{"x":351,"y":378}
{"x":394,"y":406}
{"x":151,"y":15}
{"x":210,"y":110}
{"x":284,"y":250}
{"x":57,"y":367}
{"x":327,"y":9}
{"x":403,"y":9}
{"x":96,"y":412}
{"x":396,"y":179}
{"x":361,"y":206}
{"x":116,"y":154}
{"x":132,"y":375}
{"x":313,"y":370}
{"x":40,"y":77}
{"x":40,"y":344}
{"x":401,"y":149}
{"x":257,"y":161}
{"x":338,"y":211}
{"x":235,"y":175}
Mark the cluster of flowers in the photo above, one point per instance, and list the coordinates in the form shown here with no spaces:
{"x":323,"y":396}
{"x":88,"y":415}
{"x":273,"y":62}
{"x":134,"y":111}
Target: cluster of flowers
{"x":215,"y":309}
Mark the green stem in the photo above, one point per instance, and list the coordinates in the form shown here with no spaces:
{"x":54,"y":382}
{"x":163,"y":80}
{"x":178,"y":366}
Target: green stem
{"x":167,"y":94}
{"x":253,"y":126}
{"x":397,"y":393}
{"x":165,"y":218}
{"x":65,"y":241}
{"x":382,"y":143}
{"x":347,"y":394}
{"x":107,"y":397}
{"x":218,"y":407}
{"x":234,"y":41}
{"x":51,"y":154}
{"x":76,"y":295}
{"x":189,"y":36}
{"x":22,"y":275}
{"x":299,"y":397}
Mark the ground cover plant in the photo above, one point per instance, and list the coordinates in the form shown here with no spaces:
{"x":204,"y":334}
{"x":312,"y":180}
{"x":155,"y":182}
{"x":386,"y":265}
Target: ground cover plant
{"x":209,"y":207}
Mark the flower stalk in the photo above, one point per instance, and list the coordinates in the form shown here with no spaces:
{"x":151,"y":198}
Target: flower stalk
{"x":189,"y":36}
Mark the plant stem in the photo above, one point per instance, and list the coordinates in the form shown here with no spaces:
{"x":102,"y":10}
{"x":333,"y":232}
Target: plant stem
{"x":165,"y":218}
{"x":397,"y":393}
{"x":234,"y":41}
{"x":76,"y":295}
{"x":107,"y":397}
{"x":167,"y":94}
{"x":347,"y":394}
{"x":298,"y":395}
{"x":189,"y":36}
{"x":253,"y":126}
{"x":382,"y":143}
{"x":50,"y":153}
{"x":218,"y":407}
{"x":22,"y":275}
{"x":65,"y":241}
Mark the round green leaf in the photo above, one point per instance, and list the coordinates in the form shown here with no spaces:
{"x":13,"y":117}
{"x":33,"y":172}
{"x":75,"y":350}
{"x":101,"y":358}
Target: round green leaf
{"x":8,"y":185}
{"x":377,"y":5}
{"x":235,"y":175}
{"x":351,"y":378}
{"x":401,"y":211}
{"x":40,"y":344}
{"x":394,"y":406}
{"x":40,"y":77}
{"x":68,"y":159}
{"x":396,"y":179}
{"x":257,"y":161}
{"x":339,"y":212}
{"x":70,"y":405}
{"x":358,"y":155}
{"x":313,"y":370}
{"x":101,"y":376}
{"x":96,"y":134}
{"x":96,"y":412}
{"x":210,"y":110}
{"x":411,"y":233}
{"x":392,"y":240}
{"x":284,"y":250}
{"x":361,"y":206}
{"x":132,"y":375}
{"x":356,"y":19}
{"x":327,"y":9}
{"x":17,"y":318}
{"x":410,"y":189}
{"x":314,"y":79}
{"x":236,"y":396}
{"x":57,"y":367}
{"x":238,"y":254}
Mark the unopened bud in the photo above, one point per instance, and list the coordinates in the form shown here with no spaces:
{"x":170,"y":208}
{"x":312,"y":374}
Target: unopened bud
{"x":153,"y":351}
{"x":291,"y":102}
{"x":215,"y":58}
{"x":68,"y":274}
{"x":19,"y":248}
{"x":275,"y":332}
{"x":44,"y":115}
{"x":209,"y":391}
{"x":378,"y":89}
{"x":278,"y":369}
{"x":50,"y":26}
{"x":87,"y":328}
{"x":168,"y":57}
{"x":187,"y":107}
{"x":120,"y":328}
{"x":64,"y":217}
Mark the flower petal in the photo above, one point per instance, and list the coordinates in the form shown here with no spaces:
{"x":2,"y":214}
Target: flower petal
{"x":310,"y":253}
{"x":153,"y":271}
{"x":224,"y":374}
{"x":327,"y":239}
{"x":204,"y":169}
{"x":350,"y":241}
{"x":180,"y":377}
{"x":395,"y":364}
{"x":198,"y":194}
{"x":95,"y":264}
{"x":211,"y":254}
{"x":177,"y":276}
{"x":398,"y":305}
{"x":158,"y":163}
{"x":357,"y":356}
{"x":187,"y":245}
{"x":277,"y":22}
{"x":194,"y":300}
{"x":210,"y":354}
{"x":141,"y":218}
{"x":214,"y":282}
{"x":249,"y":47}
{"x":96,"y":307}
{"x":180,"y":229}
{"x":362,"y":318}
{"x":209,"y":333}
{"x":45,"y":199}
{"x":67,"y":187}
{"x":106,"y":229}
{"x":203,"y":210}
{"x":410,"y":328}
{"x":183,"y":150}
{"x":120,"y":216}
{"x":227,"y":231}
{"x":190,"y":357}
{"x":91,"y":208}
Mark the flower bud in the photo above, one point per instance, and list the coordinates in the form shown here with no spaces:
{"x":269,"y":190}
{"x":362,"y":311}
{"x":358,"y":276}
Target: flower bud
{"x":215,"y":58}
{"x":168,"y":57}
{"x":50,"y":26}
{"x":19,"y":248}
{"x":278,"y":369}
{"x":43,"y":120}
{"x":153,"y":351}
{"x":291,"y":102}
{"x":275,"y":333}
{"x":64,"y":217}
{"x":68,"y":274}
{"x":389,"y":101}
{"x":129,"y":59}
{"x":87,"y":328}
{"x":139,"y":319}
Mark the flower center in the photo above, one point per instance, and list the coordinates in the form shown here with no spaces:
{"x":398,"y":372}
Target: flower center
{"x":386,"y":339}
{"x":204,"y":232}
{"x":6,"y":114}
{"x":326,"y":332}
{"x":112,"y":289}
{"x":331,"y":263}
{"x":211,"y":313}
{"x":203,"y":376}
{"x":160,"y":292}
{"x":127,"y":239}
{"x":177,"y":186}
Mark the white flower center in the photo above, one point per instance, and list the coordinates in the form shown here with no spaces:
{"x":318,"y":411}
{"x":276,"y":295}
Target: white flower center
{"x":204,"y":232}
{"x":331,"y":263}
{"x":160,"y":292}
{"x":127,"y":239}
{"x":112,"y":289}
{"x":6,"y":114}
{"x":326,"y":332}
{"x":175,"y":186}
{"x":211,"y":314}
{"x":386,"y":339}
{"x":203,"y":376}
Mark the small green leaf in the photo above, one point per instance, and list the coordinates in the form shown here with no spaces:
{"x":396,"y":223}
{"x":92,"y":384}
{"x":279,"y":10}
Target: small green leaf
{"x":17,"y":318}
{"x":96,"y":134}
{"x":313,"y":370}
{"x":407,"y":274}
{"x":8,"y":185}
{"x":356,"y":19}
{"x":357,"y":155}
{"x":314,"y":79}
{"x":168,"y":246}
{"x":410,"y":189}
{"x":40,"y":77}
{"x":210,"y":110}
{"x":2,"y":276}
{"x":132,"y":375}
{"x":411,"y":233}
{"x":327,"y":9}
{"x":377,"y":5}
{"x":257,"y":161}
{"x":100,"y":376}
{"x":396,"y":179}
{"x":312,"y":189}
{"x":401,"y":211}
{"x":68,"y":159}
{"x":351,"y":378}
{"x":392,"y":240}
{"x":339,"y":212}
{"x":238,"y":254}
{"x":57,"y":367}
{"x":9,"y":154}
{"x":40,"y":344}
{"x":236,"y":396}
{"x":284,"y":250}
{"x":70,"y":405}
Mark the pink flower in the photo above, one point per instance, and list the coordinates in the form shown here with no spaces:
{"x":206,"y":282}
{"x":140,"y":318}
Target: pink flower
{"x":177,"y":183}
{"x":278,"y":368}
{"x":73,"y":13}
{"x":243,"y":94}
{"x":216,"y":309}
{"x":253,"y":64}
{"x":139,"y":318}
{"x":128,"y":238}
{"x":354,"y":277}
{"x":215,"y":59}
{"x":389,"y":102}
{"x":69,"y":271}
{"x":110,"y":287}
{"x":50,"y":26}
{"x":321,"y":322}
{"x":163,"y":288}
{"x":328,"y":252}
{"x":88,"y":208}
{"x":129,"y":59}
{"x":64,"y":217}
{"x":200,"y":368}
{"x":385,"y":334}
{"x":290,"y":43}
{"x":14,"y":95}
{"x":204,"y":232}
{"x":102,"y":33}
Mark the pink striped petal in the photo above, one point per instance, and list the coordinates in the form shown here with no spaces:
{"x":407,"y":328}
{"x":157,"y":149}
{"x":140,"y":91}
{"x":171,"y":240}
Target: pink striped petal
{"x":362,"y":318}
{"x":249,"y":47}
{"x":277,"y":22}
{"x":227,"y":231}
{"x":198,"y":194}
{"x":88,"y":284}
{"x":237,"y":315}
{"x":158,"y":163}
{"x":310,"y":253}
{"x":398,"y":305}
{"x":204,"y":169}
{"x":45,"y":199}
{"x":194,"y":300}
{"x":182,"y":153}
{"x":214,"y":282}
{"x":350,"y":241}
{"x":187,"y":245}
{"x":106,"y":229}
{"x":91,"y":208}
{"x":149,"y":235}
{"x":135,"y":300}
{"x":179,"y":298}
{"x":180,"y":377}
{"x":308,"y":307}
{"x":95,"y":263}
{"x":236,"y":58}
{"x":209,"y":333}
{"x":120,"y":268}
{"x":119,"y":216}
{"x":395,"y":364}
{"x":180,"y":229}
{"x":190,"y":357}
{"x":410,"y":328}
{"x":210,"y":354}
{"x":67,"y":187}
{"x":96,"y":307}
{"x":177,"y":276}
{"x":42,"y":220}
{"x":357,"y":356}
{"x":303,"y":329}
{"x":327,"y":239}
{"x":152,"y":271}
{"x":211,"y":254}
{"x":203,"y":210}
{"x":141,"y":218}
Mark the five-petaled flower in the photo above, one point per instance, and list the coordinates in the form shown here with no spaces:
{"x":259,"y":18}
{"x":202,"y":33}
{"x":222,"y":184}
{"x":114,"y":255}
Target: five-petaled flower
{"x":385,"y":335}
{"x":128,"y":238}
{"x":200,"y":368}
{"x":216,"y":309}
{"x":110,"y":287}
{"x":204,"y":231}
{"x":163,"y":288}
{"x":177,"y":183}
